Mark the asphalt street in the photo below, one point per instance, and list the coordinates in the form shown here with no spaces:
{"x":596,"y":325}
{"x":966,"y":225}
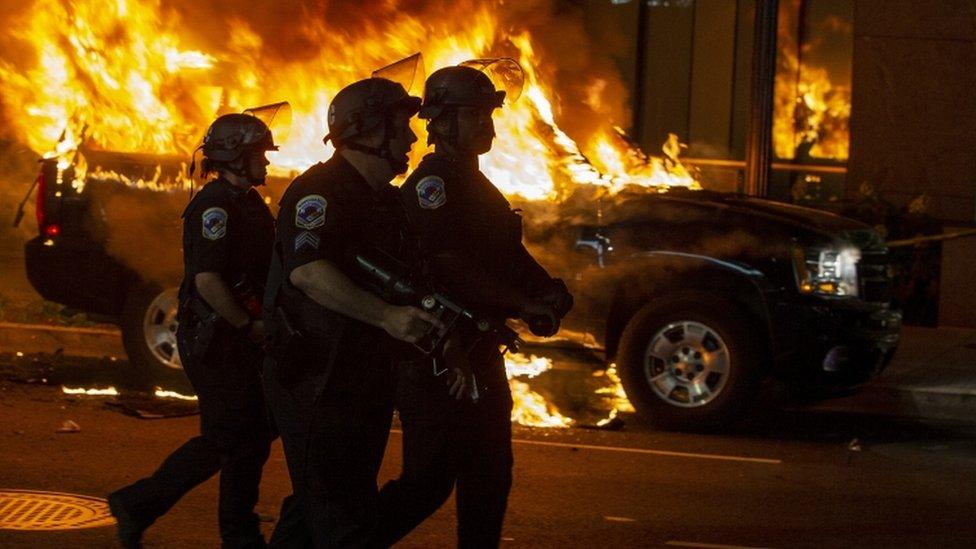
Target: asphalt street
{"x":782,"y":478}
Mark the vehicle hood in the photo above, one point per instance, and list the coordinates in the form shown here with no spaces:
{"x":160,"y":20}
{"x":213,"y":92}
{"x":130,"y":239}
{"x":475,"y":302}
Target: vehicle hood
{"x":799,"y":216}
{"x":709,"y":213}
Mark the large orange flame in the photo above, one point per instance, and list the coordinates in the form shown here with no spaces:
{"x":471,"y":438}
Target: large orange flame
{"x":121,"y":73}
{"x":530,"y":408}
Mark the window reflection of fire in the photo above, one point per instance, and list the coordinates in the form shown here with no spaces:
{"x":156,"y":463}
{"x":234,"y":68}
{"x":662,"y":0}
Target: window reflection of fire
{"x":813,"y":83}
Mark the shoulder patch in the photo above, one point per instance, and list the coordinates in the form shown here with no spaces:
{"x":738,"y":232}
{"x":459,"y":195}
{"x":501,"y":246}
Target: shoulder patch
{"x":310,"y":212}
{"x":431,"y":193}
{"x":214,"y":223}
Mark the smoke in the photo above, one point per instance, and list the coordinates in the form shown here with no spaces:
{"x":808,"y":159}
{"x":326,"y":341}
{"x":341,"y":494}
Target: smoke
{"x":141,"y":228}
{"x":18,"y":164}
{"x":592,"y":94}
{"x":635,"y":224}
{"x":18,"y":170}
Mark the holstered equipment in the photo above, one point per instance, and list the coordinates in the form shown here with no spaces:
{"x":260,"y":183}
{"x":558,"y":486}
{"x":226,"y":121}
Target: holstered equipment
{"x":204,"y":325}
{"x":301,"y":335}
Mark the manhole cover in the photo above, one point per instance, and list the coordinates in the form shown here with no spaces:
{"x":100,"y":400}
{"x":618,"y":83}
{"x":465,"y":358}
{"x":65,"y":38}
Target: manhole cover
{"x":30,"y":510}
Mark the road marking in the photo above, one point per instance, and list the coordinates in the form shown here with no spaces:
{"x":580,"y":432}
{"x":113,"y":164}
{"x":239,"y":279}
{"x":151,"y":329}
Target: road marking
{"x":646,"y":451}
{"x":709,"y":545}
{"x":619,"y":519}
{"x":623,"y":449}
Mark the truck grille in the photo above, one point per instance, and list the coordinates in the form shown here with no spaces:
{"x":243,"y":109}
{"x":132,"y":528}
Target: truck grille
{"x":873,"y":276}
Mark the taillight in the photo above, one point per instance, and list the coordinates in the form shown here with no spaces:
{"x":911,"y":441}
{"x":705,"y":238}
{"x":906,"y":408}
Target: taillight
{"x":40,"y":199}
{"x":52,"y":230}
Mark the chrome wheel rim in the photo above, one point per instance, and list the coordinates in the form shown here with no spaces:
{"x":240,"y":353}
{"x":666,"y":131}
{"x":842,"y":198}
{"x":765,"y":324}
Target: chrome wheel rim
{"x":686,"y":364}
{"x":159,"y":329}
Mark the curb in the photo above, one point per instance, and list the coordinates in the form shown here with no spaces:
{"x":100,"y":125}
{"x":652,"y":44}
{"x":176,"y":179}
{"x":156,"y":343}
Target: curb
{"x":41,"y":338}
{"x":907,"y":401}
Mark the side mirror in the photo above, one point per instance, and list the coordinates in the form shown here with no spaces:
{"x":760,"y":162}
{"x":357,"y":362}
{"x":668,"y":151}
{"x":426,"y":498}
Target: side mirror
{"x":592,"y":239}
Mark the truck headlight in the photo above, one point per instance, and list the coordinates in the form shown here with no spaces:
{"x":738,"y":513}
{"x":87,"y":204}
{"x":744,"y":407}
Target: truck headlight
{"x":826,"y":271}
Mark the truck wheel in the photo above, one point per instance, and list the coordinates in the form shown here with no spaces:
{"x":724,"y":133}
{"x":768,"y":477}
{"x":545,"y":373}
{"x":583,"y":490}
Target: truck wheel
{"x":149,"y":336}
{"x":690,"y":364}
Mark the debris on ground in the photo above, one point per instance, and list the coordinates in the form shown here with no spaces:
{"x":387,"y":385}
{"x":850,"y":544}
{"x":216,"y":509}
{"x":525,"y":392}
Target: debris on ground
{"x":68,"y":426}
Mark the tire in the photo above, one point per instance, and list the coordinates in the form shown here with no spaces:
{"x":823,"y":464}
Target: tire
{"x":149,"y":336}
{"x":690,"y":363}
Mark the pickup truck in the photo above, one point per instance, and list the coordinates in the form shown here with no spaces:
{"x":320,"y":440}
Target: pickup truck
{"x":696,"y":296}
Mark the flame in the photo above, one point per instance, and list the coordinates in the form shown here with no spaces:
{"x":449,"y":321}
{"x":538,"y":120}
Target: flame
{"x":809,"y":110}
{"x":163,"y":393}
{"x":122,"y":76}
{"x":812,"y":111}
{"x":125,"y":75}
{"x":618,"y":397}
{"x":158,"y":182}
{"x":114,"y":65}
{"x":110,"y":391}
{"x":531,"y":408}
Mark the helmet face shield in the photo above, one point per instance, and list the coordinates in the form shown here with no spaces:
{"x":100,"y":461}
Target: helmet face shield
{"x":505,"y":74}
{"x":471,"y":84}
{"x":277,"y":117}
{"x":407,"y":72}
{"x":237,"y":143}
{"x":232,"y":134}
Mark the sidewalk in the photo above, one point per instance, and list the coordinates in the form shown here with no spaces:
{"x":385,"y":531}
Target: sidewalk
{"x":933,"y":375}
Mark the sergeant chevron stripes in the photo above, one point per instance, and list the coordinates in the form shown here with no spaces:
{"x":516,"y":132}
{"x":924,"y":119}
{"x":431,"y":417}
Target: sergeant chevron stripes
{"x":307,"y":238}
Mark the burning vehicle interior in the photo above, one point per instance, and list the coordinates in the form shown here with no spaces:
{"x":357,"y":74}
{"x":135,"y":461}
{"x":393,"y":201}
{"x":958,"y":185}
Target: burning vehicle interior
{"x":689,"y":290}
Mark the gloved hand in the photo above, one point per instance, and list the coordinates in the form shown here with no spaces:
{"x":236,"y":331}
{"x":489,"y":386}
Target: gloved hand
{"x":558,"y":297}
{"x":460,"y":382}
{"x":541,"y":317}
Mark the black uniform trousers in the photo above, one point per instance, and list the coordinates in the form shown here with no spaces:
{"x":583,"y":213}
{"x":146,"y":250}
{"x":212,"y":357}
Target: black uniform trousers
{"x":448,"y":443}
{"x":334,"y":423}
{"x":235,"y":439}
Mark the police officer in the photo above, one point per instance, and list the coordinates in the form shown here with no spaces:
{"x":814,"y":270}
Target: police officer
{"x":472,"y":240}
{"x":228,"y":233}
{"x":331,"y":382}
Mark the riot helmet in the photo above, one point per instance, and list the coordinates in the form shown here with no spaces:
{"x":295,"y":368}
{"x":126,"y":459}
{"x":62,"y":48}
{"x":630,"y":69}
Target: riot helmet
{"x":231,"y":139}
{"x":484,"y":84}
{"x":363,"y":106}
{"x":458,"y":86}
{"x":231,"y":135}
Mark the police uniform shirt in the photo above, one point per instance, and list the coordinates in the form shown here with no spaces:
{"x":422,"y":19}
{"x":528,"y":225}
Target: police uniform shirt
{"x":330,"y":212}
{"x":456,"y":210}
{"x":227,"y":230}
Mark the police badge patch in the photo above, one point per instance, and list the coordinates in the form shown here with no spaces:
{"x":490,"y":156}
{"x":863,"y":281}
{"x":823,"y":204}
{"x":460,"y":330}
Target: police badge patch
{"x":214,"y":223}
{"x":430,"y":192}
{"x":310,"y":212}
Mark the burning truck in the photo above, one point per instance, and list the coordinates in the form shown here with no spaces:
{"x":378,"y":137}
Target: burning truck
{"x":694,"y":297}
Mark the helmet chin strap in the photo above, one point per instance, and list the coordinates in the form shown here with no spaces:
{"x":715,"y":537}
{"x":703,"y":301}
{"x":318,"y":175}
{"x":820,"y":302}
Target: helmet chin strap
{"x":383,"y":151}
{"x":251,"y":178}
{"x":453,"y":132}
{"x":242,"y":168}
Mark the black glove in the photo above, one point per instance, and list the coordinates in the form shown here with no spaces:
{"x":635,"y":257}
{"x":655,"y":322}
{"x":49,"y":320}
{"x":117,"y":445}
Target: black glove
{"x":558,"y":297}
{"x":541,"y":318}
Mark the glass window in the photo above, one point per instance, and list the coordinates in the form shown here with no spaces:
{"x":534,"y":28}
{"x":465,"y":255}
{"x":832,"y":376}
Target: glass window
{"x":812,"y":110}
